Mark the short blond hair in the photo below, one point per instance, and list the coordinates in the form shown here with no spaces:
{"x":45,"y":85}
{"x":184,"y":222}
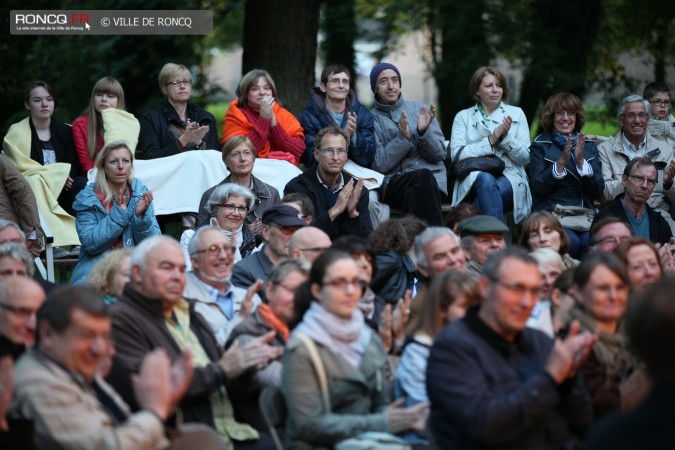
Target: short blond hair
{"x":169,"y":71}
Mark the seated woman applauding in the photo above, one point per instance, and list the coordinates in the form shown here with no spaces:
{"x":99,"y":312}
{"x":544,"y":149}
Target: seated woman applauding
{"x":334,"y":368}
{"x":258,"y":115}
{"x":175,"y":125}
{"x":116,"y":211}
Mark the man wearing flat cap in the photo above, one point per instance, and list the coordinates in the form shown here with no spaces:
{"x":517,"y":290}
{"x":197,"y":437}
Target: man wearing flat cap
{"x":279,"y":224}
{"x":481,"y":236}
{"x":410,"y":149}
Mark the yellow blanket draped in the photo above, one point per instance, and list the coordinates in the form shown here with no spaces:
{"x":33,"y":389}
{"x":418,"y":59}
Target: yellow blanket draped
{"x":46,"y":181}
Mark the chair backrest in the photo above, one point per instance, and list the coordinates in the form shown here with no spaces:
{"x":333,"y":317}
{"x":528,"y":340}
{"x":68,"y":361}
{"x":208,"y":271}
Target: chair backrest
{"x":273,"y":408}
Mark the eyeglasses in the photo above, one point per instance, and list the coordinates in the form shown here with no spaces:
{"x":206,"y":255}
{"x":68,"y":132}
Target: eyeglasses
{"x":230,"y":208}
{"x":246,"y":154}
{"x":342,"y":284}
{"x":88,"y":335}
{"x":610,"y":240}
{"x":179,"y":82}
{"x":337,"y":81}
{"x":561,"y":114}
{"x":313,"y":249}
{"x":642,"y":180}
{"x":660,"y":102}
{"x":339,"y":152}
{"x":215,"y":250}
{"x":18,"y":310}
{"x":519,"y":289}
{"x":631,"y":116}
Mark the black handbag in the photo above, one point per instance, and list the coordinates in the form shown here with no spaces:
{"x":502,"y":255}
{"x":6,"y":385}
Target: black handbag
{"x":491,"y":164}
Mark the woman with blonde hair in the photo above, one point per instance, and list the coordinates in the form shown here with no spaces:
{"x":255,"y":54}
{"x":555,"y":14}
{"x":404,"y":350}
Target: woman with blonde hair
{"x":110,"y":274}
{"x":257,"y":114}
{"x":88,"y":128}
{"x":116,"y":211}
{"x":175,"y":125}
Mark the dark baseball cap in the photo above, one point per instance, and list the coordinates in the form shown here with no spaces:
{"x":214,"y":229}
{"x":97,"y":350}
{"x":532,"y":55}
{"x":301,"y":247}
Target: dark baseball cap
{"x":284,"y":216}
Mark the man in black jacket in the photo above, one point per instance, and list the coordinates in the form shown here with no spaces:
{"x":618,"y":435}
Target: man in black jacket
{"x":638,"y":180}
{"x":340,"y":202}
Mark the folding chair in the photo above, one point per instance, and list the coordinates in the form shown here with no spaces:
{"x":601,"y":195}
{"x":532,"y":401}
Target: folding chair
{"x":273,"y":408}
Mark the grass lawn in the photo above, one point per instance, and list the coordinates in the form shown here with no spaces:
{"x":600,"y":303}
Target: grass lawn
{"x":218,"y":110}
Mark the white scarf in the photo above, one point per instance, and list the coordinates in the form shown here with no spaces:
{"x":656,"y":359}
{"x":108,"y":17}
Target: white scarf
{"x":345,"y":337}
{"x":238,"y":233}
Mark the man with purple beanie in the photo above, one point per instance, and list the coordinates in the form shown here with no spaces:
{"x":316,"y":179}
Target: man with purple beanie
{"x":410,"y":149}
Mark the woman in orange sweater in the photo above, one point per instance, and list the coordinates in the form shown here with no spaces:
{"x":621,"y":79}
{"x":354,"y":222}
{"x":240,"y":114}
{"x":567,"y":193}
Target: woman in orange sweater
{"x":258,"y":115}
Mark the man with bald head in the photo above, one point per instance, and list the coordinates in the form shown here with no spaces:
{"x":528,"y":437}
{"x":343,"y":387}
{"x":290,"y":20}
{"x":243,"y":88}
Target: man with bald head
{"x":307,"y":244}
{"x":20,"y":298}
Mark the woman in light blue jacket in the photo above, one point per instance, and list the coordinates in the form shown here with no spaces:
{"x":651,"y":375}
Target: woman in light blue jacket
{"x":493,"y":128}
{"x":116,"y":211}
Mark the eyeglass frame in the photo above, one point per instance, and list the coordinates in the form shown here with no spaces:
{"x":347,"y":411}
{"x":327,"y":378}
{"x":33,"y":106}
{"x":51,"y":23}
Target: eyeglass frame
{"x":660,"y":102}
{"x":632,"y":115}
{"x":214,"y":250}
{"x":232,"y":208}
{"x":338,"y":152}
{"x":341,"y":284}
{"x":18,"y":310}
{"x":650,"y":182}
{"x":179,"y":83}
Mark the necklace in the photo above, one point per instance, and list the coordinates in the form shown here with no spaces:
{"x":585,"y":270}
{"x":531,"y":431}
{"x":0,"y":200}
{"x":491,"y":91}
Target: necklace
{"x":125,"y":197}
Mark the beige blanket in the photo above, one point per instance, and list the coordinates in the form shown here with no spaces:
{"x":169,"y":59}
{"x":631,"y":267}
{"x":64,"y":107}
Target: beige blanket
{"x":46,"y":181}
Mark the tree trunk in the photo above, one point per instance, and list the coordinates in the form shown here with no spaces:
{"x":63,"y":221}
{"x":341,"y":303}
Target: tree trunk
{"x":280,"y":37}
{"x":340,"y":33}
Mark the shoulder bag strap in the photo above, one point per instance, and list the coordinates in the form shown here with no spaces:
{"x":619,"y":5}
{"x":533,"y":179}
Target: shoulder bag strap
{"x":318,"y":366}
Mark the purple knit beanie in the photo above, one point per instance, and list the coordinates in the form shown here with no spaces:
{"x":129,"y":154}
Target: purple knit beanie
{"x":377,"y":70}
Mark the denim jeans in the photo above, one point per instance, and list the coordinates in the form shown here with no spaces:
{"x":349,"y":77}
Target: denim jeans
{"x":578,"y":242}
{"x":493,"y":196}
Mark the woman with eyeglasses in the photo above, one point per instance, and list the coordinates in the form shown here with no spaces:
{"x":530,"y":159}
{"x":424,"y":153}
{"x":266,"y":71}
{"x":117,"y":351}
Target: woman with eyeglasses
{"x":492,"y":130}
{"x":88,"y":128}
{"x":228,"y":206}
{"x":612,"y":374}
{"x":115,"y":211}
{"x":565,"y":169}
{"x":239,"y":157}
{"x":257,"y":114}
{"x":175,"y":125}
{"x":349,"y":395}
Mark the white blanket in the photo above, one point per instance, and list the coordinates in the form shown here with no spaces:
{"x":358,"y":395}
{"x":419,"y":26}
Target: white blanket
{"x":178,"y":182}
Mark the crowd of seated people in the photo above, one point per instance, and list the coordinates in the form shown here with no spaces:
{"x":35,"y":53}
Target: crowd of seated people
{"x":401,"y":331}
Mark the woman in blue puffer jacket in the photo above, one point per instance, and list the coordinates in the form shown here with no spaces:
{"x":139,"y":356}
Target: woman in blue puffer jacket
{"x":116,"y":211}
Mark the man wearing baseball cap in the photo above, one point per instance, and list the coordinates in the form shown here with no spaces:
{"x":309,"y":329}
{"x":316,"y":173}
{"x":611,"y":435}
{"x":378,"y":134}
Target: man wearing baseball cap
{"x":279,"y":223}
{"x":410,"y":149}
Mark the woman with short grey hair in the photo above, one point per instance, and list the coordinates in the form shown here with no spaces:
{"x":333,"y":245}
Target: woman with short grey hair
{"x":228,"y":205}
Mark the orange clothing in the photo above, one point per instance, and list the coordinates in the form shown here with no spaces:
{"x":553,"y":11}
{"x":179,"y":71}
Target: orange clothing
{"x":285,"y":141}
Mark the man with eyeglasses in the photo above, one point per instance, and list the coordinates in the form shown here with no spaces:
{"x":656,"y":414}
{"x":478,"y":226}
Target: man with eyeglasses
{"x":334,"y":103}
{"x":340,"y":201}
{"x":275,"y":315}
{"x":220,"y":303}
{"x":607,"y":233}
{"x":662,"y":122}
{"x":495,"y":383}
{"x":634,"y":140}
{"x":152,"y":312}
{"x":307,"y":244}
{"x":20,"y":298}
{"x":410,"y":149}
{"x":632,"y":206}
{"x":279,"y":224}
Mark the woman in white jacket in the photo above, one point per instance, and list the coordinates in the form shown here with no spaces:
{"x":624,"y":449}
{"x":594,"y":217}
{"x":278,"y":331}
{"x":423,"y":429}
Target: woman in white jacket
{"x":493,"y":128}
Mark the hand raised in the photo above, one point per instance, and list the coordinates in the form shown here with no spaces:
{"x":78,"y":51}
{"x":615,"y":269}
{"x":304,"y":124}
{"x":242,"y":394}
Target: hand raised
{"x":247,"y":304}
{"x":403,"y":126}
{"x":255,"y":353}
{"x":579,"y":150}
{"x":143,"y":203}
{"x":350,"y":127}
{"x":353,"y":200}
{"x":425,"y":118}
{"x":564,"y":157}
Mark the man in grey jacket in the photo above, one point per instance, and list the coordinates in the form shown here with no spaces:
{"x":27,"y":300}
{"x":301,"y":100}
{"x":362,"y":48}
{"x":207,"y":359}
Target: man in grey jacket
{"x":410,"y":149}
